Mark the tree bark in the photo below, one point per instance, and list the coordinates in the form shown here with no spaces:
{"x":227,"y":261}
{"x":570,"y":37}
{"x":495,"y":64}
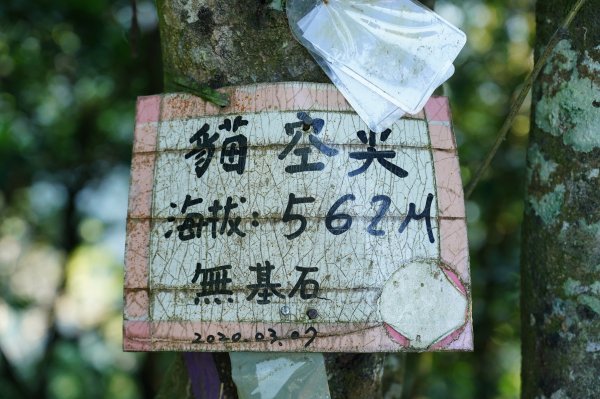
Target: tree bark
{"x":560,"y":302}
{"x":215,"y":43}
{"x":222,"y":43}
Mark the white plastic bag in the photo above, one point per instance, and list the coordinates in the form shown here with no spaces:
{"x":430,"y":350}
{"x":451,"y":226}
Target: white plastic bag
{"x":260,"y":375}
{"x":385,"y":56}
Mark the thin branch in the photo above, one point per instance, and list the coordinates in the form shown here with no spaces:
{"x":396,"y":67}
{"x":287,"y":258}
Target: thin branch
{"x":134,"y":30}
{"x":559,"y":34}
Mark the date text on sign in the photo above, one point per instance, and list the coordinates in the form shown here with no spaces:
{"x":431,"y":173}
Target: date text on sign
{"x":281,"y":223}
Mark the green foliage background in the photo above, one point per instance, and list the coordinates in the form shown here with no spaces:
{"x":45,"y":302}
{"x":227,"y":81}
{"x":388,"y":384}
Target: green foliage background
{"x":70,"y":72}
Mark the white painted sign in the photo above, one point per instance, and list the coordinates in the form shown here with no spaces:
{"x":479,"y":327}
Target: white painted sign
{"x":283,"y":223}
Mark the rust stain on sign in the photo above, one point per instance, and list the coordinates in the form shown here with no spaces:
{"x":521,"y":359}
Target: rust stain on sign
{"x":281,"y":223}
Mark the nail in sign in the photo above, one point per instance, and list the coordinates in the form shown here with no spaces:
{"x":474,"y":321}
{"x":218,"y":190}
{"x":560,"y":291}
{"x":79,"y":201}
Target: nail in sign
{"x":281,"y":223}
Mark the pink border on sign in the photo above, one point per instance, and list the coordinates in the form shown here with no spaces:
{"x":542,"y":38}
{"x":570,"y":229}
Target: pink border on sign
{"x":136,"y":311}
{"x":136,"y":253}
{"x":136,"y":336}
{"x":144,"y":139}
{"x":142,"y":334}
{"x":451,"y":203}
{"x":437,"y":109}
{"x":147,"y":109}
{"x":454,"y":249}
{"x":357,"y":337}
{"x":138,"y":304}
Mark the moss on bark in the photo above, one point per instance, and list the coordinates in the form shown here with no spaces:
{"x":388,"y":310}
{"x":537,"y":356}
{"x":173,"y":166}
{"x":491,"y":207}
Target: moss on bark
{"x":561,"y":233}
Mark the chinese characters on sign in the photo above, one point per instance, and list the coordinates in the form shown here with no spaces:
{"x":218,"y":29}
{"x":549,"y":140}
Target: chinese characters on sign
{"x":281,"y":222}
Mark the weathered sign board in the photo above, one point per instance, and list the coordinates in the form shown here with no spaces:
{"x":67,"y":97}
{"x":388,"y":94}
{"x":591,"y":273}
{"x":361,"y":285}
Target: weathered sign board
{"x":280,"y":223}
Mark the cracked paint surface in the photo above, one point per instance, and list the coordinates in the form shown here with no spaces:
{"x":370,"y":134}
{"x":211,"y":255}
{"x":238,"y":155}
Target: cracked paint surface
{"x":353,"y":267}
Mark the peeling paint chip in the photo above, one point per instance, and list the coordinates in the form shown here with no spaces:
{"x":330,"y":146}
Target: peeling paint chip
{"x":281,"y":223}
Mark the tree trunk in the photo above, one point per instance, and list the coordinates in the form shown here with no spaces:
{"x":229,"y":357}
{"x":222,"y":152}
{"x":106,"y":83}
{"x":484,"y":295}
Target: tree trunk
{"x":561,"y":233}
{"x":222,"y":43}
{"x":218,"y":43}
